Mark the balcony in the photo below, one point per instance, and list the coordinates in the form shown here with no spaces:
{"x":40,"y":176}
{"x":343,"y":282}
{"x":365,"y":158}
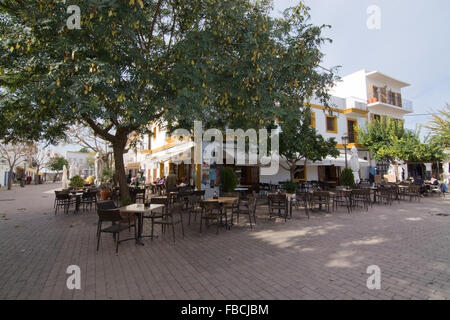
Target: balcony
{"x":355,"y":106}
{"x":389,"y":105}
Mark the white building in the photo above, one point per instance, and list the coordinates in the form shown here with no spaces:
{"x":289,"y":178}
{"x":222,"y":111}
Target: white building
{"x":84,"y":161}
{"x":356,"y":99}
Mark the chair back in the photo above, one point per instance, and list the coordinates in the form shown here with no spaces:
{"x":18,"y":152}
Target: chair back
{"x":106,"y":205}
{"x":231,"y":194}
{"x":112,"y":215}
{"x":211,"y":205}
{"x":321,"y":194}
{"x":200,"y":194}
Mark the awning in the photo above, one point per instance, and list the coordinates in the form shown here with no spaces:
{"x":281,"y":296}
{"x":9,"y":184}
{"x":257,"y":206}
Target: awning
{"x":339,"y":162}
{"x":178,"y":153}
{"x":133,"y":165}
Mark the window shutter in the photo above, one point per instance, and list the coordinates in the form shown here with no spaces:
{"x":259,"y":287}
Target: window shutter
{"x":399,"y":100}
{"x":383,"y":95}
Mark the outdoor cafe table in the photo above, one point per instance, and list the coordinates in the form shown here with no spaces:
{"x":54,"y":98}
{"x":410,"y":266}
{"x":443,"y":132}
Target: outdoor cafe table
{"x":222,"y":200}
{"x":77,"y":196}
{"x":243,"y":192}
{"x":139,"y":210}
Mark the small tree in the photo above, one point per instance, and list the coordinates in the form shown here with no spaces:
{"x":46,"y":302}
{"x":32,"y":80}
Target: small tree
{"x":228,"y":179}
{"x":347,"y":178}
{"x":299,"y":141}
{"x":14,"y":153}
{"x":57,"y":163}
{"x":39,"y":159}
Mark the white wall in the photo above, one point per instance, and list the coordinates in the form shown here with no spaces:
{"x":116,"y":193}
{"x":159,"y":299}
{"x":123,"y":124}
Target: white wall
{"x":352,"y":85}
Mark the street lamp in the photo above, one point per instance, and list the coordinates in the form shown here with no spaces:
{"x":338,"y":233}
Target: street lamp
{"x":344,"y":142}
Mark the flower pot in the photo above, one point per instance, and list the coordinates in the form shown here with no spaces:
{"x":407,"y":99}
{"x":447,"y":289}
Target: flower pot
{"x":105,"y":194}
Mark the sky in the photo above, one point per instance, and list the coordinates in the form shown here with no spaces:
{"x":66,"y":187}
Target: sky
{"x":412,"y":45}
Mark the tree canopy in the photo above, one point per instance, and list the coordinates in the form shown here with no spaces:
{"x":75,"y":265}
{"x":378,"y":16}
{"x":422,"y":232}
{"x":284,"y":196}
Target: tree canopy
{"x":387,"y":139}
{"x":440,"y":127}
{"x":228,"y":63}
{"x":299,"y":141}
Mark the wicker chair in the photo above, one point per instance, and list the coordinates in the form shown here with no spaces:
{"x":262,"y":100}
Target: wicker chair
{"x":278,"y":206}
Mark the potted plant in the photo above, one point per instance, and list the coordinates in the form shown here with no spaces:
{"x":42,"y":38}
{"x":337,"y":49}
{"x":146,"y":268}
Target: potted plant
{"x":347,"y":178}
{"x":228,"y":179}
{"x":106,"y":184}
{"x":76,"y":182}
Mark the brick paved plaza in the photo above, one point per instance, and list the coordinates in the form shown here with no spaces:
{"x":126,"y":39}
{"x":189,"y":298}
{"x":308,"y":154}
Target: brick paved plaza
{"x":325,"y":257}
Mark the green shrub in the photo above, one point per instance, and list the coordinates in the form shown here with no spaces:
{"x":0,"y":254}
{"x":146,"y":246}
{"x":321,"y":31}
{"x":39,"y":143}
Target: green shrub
{"x":290,"y":186}
{"x":347,"y":178}
{"x":76,"y":182}
{"x":107,"y":178}
{"x":228,"y":179}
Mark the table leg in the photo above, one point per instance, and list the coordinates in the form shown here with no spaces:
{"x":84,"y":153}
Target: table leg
{"x":140,"y":223}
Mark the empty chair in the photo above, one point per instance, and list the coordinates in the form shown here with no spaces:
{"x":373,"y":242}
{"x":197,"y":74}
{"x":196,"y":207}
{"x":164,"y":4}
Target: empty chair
{"x":321,"y":198}
{"x":212,"y":211}
{"x":194,"y":207}
{"x":301,"y":200}
{"x":170,"y":218}
{"x":118,"y":224}
{"x":278,"y":206}
{"x":247,"y":207}
{"x":63,"y":200}
{"x":413,"y":191}
{"x":89,"y":198}
{"x":361,"y":197}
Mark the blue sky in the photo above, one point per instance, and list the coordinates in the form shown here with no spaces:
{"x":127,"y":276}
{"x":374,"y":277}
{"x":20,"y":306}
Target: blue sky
{"x":413,"y":45}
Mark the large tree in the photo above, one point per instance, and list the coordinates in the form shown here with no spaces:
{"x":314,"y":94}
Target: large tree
{"x":228,"y":63}
{"x":57,"y":163}
{"x":300,"y":142}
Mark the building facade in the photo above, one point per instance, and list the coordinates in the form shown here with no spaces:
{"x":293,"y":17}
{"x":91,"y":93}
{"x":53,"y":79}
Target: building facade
{"x":84,"y":162}
{"x":358,"y":98}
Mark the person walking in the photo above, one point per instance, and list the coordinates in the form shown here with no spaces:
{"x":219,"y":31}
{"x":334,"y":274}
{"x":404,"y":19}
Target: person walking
{"x":171,"y":181}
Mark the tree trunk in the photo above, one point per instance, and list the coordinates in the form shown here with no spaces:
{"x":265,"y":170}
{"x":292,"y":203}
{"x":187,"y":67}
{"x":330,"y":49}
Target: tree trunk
{"x":10,"y":178}
{"x":119,"y":147}
{"x":292,"y":171}
{"x":36,"y":181}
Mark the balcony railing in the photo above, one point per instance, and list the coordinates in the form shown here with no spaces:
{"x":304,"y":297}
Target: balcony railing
{"x":356,"y":103}
{"x":408,"y":105}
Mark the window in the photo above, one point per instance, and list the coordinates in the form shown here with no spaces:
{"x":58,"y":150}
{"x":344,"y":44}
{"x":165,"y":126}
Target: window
{"x":351,"y":125}
{"x":299,"y":173}
{"x":154,"y":133}
{"x":376,"y":117}
{"x":331,"y":124}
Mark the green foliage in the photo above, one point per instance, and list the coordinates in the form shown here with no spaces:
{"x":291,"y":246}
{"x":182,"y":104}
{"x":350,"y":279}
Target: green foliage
{"x":126,"y":202}
{"x":228,"y":179}
{"x":107,"y":178}
{"x":387,"y":139}
{"x":57,"y":163}
{"x":299,"y":141}
{"x":84,"y":150}
{"x":347,"y":178}
{"x":290,"y":186}
{"x":440,"y":127}
{"x":228,"y":63}
{"x":76,"y":182}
